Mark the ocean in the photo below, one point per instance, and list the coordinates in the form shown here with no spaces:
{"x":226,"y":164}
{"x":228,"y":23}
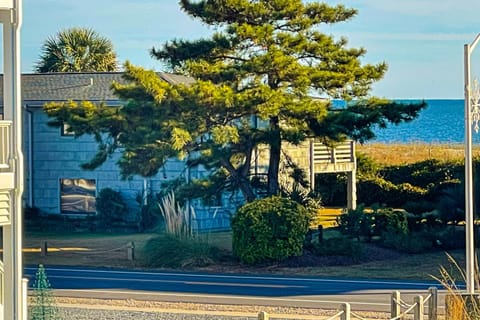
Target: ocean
{"x":441,"y":122}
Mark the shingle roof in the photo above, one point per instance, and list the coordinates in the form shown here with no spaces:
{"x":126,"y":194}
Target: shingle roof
{"x":93,"y":86}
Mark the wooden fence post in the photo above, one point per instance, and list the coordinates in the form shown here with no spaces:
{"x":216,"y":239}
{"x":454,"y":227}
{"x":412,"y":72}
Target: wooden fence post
{"x":320,"y":233}
{"x":44,"y":248}
{"x":432,"y":303}
{"x":346,"y":311}
{"x":394,"y":304}
{"x":131,"y":251}
{"x":419,"y":308}
{"x":262,"y":315}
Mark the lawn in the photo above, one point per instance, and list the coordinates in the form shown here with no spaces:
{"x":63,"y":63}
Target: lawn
{"x":106,"y":250}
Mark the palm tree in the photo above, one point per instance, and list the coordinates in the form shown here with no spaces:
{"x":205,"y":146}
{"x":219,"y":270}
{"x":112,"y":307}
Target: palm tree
{"x":77,"y":50}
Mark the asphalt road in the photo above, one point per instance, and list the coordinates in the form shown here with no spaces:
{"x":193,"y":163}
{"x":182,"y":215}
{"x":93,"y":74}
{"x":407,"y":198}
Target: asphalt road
{"x":268,"y":290}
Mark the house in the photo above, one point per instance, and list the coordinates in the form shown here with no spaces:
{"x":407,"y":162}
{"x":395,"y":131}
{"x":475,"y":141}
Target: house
{"x":54,"y":181}
{"x":56,"y":184}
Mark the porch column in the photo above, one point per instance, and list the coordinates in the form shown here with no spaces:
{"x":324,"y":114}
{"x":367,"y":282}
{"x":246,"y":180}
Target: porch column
{"x":352,"y":189}
{"x":10,"y":17}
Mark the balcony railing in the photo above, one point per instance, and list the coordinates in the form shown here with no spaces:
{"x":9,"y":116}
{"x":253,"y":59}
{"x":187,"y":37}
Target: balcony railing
{"x":5,"y":144}
{"x":341,"y":153}
{"x":5,"y":208}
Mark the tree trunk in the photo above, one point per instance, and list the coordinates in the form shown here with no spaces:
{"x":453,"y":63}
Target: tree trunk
{"x":274,"y":162}
{"x":242,"y":181}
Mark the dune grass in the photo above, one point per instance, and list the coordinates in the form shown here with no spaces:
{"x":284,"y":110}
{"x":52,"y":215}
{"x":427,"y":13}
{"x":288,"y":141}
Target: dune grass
{"x":398,"y":153}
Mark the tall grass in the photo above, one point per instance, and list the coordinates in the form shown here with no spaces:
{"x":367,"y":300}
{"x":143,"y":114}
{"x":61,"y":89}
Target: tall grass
{"x":180,"y":246}
{"x":178,"y":219}
{"x":459,"y":306}
{"x":403,"y":153}
{"x":166,"y":251}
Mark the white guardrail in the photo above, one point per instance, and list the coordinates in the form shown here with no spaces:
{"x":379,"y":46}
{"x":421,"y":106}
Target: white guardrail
{"x":5,"y":143}
{"x":341,"y":153}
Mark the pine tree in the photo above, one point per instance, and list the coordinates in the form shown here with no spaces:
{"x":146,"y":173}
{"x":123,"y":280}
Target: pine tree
{"x":44,"y":307}
{"x":267,"y":76}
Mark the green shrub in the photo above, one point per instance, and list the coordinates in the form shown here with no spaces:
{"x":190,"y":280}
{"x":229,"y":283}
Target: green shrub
{"x":270,"y":229}
{"x":357,"y":223}
{"x":338,"y":246}
{"x":391,"y":221}
{"x":150,"y":216}
{"x":167,"y":251}
{"x":451,"y":237}
{"x":366,"y":166}
{"x":378,"y":190}
{"x":111,"y":206}
{"x":417,"y":242}
{"x":363,"y":223}
{"x":424,"y":174}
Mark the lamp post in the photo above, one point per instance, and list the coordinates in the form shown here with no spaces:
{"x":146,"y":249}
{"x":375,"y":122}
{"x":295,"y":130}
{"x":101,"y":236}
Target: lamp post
{"x":472,"y":117}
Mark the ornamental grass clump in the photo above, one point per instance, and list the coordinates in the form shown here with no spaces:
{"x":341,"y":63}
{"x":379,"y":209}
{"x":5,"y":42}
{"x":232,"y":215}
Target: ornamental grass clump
{"x":269,"y":229}
{"x":179,"y":245}
{"x":459,"y":305}
{"x":178,"y":219}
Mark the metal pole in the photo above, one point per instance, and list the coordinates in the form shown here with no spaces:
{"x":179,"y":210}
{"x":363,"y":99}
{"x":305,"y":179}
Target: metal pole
{"x":468,"y":179}
{"x":469,"y":217}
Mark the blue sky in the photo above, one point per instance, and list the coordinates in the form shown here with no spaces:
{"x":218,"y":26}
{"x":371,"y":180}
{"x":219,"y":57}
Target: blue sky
{"x":421,"y":40}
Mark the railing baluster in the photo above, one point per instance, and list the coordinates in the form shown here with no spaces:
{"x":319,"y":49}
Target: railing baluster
{"x":5,"y":147}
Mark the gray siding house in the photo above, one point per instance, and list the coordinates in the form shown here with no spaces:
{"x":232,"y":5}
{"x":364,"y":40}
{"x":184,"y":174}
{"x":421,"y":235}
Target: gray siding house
{"x":55,"y":183}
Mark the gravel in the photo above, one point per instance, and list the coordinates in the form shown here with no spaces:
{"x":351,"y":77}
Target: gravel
{"x":103,"y":309}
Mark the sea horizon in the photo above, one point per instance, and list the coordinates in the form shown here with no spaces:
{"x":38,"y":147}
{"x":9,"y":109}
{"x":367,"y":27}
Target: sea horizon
{"x":441,"y":122}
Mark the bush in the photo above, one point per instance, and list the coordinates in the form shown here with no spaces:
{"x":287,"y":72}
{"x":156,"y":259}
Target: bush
{"x":391,"y":221}
{"x":150,"y":216}
{"x":111,"y":206}
{"x":378,"y":190}
{"x":166,"y":251}
{"x":338,"y":246}
{"x":363,"y":223}
{"x":417,"y":242}
{"x":270,"y":229}
{"x":357,"y":223}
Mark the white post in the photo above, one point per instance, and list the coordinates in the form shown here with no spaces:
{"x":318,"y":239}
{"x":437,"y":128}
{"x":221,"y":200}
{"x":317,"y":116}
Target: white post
{"x":11,"y":18}
{"x":394,"y":305}
{"x":419,"y":308}
{"x":432,"y":303}
{"x":312,"y":164}
{"x":469,"y":217}
{"x":25,"y":298}
{"x":345,"y":307}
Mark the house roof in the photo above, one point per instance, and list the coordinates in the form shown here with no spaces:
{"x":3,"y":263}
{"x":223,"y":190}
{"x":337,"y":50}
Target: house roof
{"x":38,"y":88}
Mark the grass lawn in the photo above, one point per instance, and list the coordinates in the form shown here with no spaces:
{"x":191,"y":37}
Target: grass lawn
{"x":107,"y":250}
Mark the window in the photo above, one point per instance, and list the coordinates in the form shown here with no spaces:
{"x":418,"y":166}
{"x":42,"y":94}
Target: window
{"x":77,"y":196}
{"x":65,"y":131}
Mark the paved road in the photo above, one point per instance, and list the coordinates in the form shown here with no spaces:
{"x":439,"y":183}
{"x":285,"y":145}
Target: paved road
{"x":371,"y":295}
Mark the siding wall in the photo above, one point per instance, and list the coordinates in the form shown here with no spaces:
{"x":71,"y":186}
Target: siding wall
{"x":56,"y":157}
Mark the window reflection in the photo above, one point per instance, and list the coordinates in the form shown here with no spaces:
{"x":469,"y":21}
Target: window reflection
{"x":77,"y":196}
